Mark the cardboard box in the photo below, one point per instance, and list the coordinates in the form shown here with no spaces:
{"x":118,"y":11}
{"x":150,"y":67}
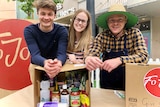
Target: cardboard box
{"x":4,"y":93}
{"x":36,"y":73}
{"x":142,"y":85}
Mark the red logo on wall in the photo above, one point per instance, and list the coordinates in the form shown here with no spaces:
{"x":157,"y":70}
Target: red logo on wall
{"x":152,"y":82}
{"x":14,"y":55}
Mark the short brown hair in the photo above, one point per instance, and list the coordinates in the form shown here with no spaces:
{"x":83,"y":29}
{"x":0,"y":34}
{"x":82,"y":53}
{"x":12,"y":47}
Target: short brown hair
{"x":45,"y":4}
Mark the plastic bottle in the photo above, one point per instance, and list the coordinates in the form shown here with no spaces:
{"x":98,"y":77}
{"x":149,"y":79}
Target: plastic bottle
{"x":45,"y":92}
{"x":65,"y":95}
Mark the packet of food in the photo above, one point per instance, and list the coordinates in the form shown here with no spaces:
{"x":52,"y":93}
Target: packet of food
{"x":84,"y":99}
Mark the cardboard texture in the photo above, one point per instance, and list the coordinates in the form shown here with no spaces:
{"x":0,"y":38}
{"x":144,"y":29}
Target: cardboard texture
{"x":4,"y":92}
{"x":35,"y":72}
{"x":142,"y":85}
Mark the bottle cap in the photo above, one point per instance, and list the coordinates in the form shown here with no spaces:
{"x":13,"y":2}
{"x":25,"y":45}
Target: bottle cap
{"x":74,"y":89}
{"x":45,"y":84}
{"x":64,"y":86}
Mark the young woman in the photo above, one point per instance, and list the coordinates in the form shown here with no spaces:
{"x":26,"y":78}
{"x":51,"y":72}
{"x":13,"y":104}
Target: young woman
{"x":80,"y":37}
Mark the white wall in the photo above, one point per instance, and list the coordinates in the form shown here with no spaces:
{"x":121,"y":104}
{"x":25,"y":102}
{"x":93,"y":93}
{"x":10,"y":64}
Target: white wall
{"x":155,"y":37}
{"x":82,"y":4}
{"x":7,"y":9}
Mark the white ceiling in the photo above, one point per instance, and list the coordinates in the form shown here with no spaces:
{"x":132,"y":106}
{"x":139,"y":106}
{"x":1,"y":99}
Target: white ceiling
{"x":147,"y":10}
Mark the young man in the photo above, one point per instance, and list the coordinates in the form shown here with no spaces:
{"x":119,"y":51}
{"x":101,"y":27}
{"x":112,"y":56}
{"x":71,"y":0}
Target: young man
{"x":119,"y":43}
{"x":47,"y":41}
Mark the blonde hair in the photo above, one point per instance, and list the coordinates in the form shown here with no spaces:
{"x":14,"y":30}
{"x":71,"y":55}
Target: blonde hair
{"x":86,"y":37}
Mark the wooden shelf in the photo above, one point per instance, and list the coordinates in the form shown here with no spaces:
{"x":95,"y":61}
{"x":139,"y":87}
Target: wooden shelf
{"x":64,"y":19}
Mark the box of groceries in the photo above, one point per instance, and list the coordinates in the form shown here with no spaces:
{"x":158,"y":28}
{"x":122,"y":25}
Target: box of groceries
{"x":71,"y":87}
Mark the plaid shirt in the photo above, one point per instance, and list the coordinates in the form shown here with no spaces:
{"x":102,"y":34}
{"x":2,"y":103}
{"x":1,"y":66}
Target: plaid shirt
{"x":135,"y":44}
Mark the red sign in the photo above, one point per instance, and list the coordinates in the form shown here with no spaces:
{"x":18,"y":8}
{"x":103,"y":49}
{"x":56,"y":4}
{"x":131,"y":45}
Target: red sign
{"x":14,"y":55}
{"x":152,"y":82}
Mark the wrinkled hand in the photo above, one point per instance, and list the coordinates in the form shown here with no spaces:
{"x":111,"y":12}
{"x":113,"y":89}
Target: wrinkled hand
{"x":52,"y":67}
{"x":93,"y":63}
{"x":111,"y":64}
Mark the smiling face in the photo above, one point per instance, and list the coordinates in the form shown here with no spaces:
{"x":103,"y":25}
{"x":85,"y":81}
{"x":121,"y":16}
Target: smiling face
{"x":80,"y":22}
{"x":116,"y":23}
{"x":46,"y":17}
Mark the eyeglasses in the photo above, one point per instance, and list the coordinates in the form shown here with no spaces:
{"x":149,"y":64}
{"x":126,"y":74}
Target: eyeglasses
{"x":80,"y":20}
{"x":120,"y":20}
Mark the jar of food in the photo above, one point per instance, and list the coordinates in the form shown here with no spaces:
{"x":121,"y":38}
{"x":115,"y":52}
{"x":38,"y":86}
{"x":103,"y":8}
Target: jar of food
{"x":55,"y":96}
{"x":75,"y":97}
